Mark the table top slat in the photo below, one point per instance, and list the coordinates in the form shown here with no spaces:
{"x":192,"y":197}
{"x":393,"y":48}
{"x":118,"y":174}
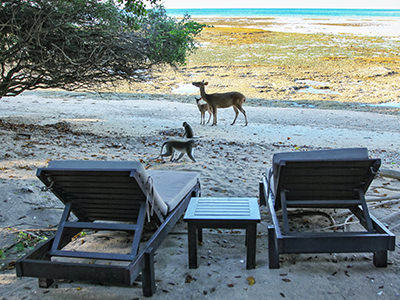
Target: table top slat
{"x":223,"y":209}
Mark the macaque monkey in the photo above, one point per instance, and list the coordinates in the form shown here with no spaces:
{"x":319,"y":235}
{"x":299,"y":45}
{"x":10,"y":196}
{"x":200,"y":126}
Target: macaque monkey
{"x":188,"y":130}
{"x":178,"y":145}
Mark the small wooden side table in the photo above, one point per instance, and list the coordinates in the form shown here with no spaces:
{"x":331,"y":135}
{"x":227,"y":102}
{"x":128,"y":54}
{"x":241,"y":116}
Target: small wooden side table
{"x":240,"y":213}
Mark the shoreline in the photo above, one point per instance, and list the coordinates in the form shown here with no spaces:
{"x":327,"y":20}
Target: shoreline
{"x":382,"y":108}
{"x":386,"y":27}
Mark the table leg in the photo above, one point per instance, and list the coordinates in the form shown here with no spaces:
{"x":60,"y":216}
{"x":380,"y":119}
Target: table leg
{"x":200,"y":234}
{"x":251,"y":235}
{"x":192,"y":245}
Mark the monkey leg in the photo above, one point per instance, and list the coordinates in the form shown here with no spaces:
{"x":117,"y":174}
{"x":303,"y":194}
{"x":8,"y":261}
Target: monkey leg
{"x":190,"y":154}
{"x":168,"y":151}
{"x":236,"y":114}
{"x":164,"y":154}
{"x":180,"y":156}
{"x":172,"y":154}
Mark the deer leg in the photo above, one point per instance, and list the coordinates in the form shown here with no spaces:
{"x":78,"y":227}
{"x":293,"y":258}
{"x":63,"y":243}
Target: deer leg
{"x":214,"y":116}
{"x":209,"y":117}
{"x":244,"y":113}
{"x":172,"y":154}
{"x":201,"y":118}
{"x":236,"y":114}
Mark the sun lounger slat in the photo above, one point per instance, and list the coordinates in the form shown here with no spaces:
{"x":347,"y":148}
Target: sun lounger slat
{"x":93,"y":197}
{"x":328,"y":195}
{"x":323,"y":203}
{"x":100,"y":226}
{"x":100,"y":190}
{"x":92,"y":179}
{"x":91,"y":255}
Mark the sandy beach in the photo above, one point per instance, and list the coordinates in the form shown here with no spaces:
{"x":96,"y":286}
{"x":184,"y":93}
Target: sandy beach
{"x":230,"y":160}
{"x":36,"y":127}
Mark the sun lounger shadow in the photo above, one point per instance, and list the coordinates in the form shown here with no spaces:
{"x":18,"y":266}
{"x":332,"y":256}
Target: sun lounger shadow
{"x":108,"y":196}
{"x":337,"y":178}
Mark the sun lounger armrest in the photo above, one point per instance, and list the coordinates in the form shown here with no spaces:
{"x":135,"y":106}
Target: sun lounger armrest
{"x":267,"y":184}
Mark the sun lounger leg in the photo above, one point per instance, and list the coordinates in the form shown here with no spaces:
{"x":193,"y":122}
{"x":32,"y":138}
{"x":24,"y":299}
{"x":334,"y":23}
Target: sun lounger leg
{"x":148,"y":277}
{"x":273,"y":254}
{"x":45,"y":282}
{"x":261,"y":188}
{"x":380,"y":259}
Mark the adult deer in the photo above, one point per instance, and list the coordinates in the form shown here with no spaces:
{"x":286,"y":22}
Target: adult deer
{"x":222,"y":100}
{"x":203,"y":108}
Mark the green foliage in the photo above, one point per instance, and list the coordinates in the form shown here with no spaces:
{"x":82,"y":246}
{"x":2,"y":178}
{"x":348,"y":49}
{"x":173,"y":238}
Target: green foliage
{"x":28,"y":240}
{"x":20,"y":247}
{"x":170,"y":39}
{"x":86,"y":44}
{"x":134,"y":9}
{"x":2,"y":255}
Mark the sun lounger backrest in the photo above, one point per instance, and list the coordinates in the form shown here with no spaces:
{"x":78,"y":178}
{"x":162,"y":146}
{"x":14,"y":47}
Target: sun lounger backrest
{"x":323,"y":175}
{"x":98,"y":190}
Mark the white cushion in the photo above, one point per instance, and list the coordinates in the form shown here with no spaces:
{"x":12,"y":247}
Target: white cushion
{"x":170,"y":187}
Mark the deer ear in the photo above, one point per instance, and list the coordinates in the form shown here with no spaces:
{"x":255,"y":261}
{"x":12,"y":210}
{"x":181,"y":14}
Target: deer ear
{"x":205,"y":83}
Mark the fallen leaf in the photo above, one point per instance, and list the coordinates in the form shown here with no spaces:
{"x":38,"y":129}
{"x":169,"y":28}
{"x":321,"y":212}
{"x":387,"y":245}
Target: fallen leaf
{"x":286,"y":280}
{"x":189,"y":278}
{"x":251,"y":280}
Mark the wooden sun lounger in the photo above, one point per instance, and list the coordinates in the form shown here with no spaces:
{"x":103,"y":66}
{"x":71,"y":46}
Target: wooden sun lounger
{"x":110,"y":196}
{"x":323,"y":179}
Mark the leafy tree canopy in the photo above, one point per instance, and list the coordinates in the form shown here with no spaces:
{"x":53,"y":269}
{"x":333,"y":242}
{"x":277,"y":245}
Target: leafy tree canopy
{"x":75,"y":44}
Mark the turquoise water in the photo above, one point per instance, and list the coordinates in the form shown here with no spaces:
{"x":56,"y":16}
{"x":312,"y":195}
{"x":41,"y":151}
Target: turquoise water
{"x":284,"y":12}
